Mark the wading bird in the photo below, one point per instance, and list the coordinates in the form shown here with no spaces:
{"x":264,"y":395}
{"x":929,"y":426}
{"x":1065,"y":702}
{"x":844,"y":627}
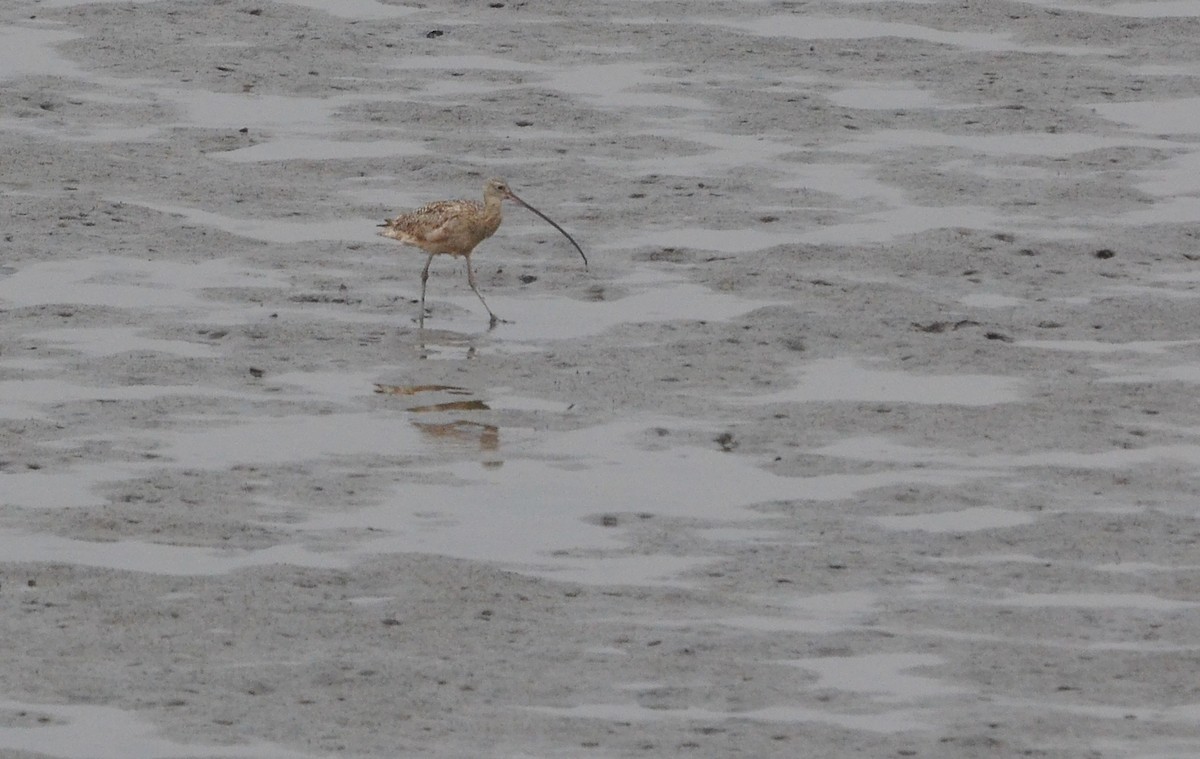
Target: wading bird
{"x":455,"y":227}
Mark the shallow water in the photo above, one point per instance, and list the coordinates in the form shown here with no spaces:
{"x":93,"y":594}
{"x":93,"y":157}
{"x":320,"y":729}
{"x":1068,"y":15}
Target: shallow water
{"x":849,"y":379}
{"x":102,"y":732}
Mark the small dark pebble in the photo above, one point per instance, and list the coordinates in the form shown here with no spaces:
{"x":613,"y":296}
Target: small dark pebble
{"x":391,"y":622}
{"x":523,"y":123}
{"x":527,"y":278}
{"x":1104,"y":253}
{"x":998,"y":336}
{"x":256,"y":372}
{"x":608,"y":520}
{"x":434,"y":34}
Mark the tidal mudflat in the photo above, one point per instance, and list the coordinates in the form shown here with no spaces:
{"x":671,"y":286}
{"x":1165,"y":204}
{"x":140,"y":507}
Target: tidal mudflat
{"x":870,"y":431}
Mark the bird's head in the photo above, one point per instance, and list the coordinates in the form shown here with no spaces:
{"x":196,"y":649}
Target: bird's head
{"x":496,"y":187}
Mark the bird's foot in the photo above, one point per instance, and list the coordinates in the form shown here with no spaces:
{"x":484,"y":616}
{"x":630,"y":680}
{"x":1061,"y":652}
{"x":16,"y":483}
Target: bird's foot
{"x":497,"y":320}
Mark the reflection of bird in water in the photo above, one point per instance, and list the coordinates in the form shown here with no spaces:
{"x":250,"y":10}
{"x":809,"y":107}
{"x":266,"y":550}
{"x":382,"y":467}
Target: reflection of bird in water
{"x":455,"y":227}
{"x":465,"y":431}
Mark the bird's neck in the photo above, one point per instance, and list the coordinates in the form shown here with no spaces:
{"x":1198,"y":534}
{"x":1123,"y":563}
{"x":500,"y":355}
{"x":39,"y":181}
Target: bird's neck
{"x":492,"y":208}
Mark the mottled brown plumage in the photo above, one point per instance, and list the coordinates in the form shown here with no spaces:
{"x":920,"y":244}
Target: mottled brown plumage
{"x":455,"y":228}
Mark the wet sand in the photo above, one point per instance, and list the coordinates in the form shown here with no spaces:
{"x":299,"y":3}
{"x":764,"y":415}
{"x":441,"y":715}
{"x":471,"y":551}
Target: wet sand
{"x":871,"y":430}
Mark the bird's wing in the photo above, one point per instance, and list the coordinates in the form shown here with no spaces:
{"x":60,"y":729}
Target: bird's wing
{"x":434,"y":223}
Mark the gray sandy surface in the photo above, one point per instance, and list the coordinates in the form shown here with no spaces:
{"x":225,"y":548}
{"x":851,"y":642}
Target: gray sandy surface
{"x":871,"y":430}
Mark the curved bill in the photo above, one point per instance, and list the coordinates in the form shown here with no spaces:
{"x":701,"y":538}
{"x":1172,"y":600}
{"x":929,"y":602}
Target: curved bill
{"x":550,"y":221}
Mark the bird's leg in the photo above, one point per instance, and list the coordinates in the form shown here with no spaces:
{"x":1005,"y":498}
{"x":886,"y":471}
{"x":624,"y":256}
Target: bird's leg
{"x":471,"y":282}
{"x":424,"y":279}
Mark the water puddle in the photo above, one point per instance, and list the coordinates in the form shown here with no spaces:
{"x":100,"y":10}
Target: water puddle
{"x":155,"y":558}
{"x":1175,"y":177}
{"x":1098,"y":601}
{"x":990,"y":300}
{"x":965,"y":520}
{"x":502,"y":402}
{"x":1051,"y":145}
{"x":882,"y":722}
{"x":320,"y":149}
{"x":1144,"y":347}
{"x":1138,"y":9}
{"x":111,"y":341}
{"x":847,"y":379}
{"x":615,"y":85}
{"x":30,"y":51}
{"x":883,"y":676}
{"x":852,"y":181}
{"x":534,"y":509}
{"x":878,"y":449}
{"x":58,"y":489}
{"x":76,"y":3}
{"x":821,"y":614}
{"x":545,"y":317}
{"x":1155,"y":117}
{"x":898,"y":96}
{"x":468,"y":62}
{"x":533,"y":514}
{"x":257,"y":112}
{"x":717,"y":240}
{"x":25,"y":399}
{"x":1146,"y":568}
{"x":1185,"y":373}
{"x":809,"y":27}
{"x":291,"y":439}
{"x":1168,"y":211}
{"x":91,"y":132}
{"x":286,"y":231}
{"x":129,"y":283}
{"x":720,"y":153}
{"x":883,"y":226}
{"x":358,"y":10}
{"x":103,"y":732}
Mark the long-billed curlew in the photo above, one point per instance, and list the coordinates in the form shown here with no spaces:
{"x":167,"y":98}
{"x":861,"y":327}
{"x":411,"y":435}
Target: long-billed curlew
{"x":455,"y":227}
